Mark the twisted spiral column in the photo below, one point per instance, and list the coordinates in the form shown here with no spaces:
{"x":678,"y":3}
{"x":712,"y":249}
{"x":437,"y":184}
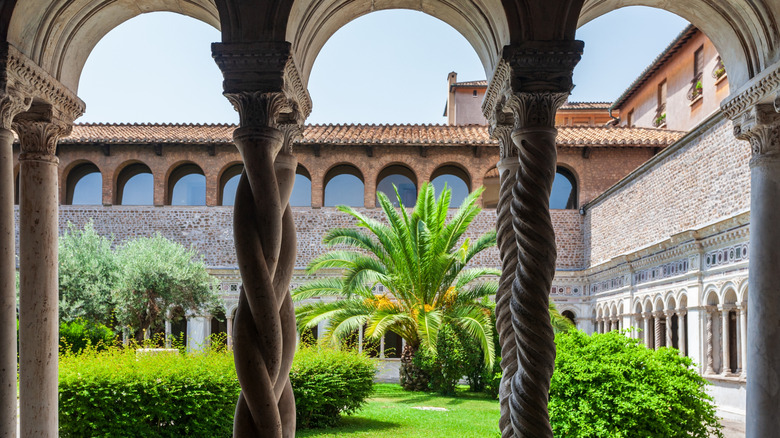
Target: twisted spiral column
{"x":264,"y":325}
{"x":507,"y":247}
{"x":708,"y":340}
{"x":534,"y":136}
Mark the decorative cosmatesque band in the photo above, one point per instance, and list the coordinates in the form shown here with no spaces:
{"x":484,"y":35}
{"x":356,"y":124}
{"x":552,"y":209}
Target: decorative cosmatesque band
{"x":766,"y":85}
{"x":266,"y":67}
{"x":22,"y":75}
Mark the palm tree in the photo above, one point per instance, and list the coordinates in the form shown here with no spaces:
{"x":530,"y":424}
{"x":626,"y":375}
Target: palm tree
{"x":421,"y":260}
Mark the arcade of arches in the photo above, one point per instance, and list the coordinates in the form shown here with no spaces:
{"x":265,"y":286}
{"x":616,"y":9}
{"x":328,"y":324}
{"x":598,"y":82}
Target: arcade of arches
{"x":682,"y":273}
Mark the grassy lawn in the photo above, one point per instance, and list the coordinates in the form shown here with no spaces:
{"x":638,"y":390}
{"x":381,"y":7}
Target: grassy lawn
{"x":390,"y":414}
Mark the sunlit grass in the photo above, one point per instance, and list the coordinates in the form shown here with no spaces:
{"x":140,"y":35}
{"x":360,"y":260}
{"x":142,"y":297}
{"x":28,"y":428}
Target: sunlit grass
{"x":390,"y":414}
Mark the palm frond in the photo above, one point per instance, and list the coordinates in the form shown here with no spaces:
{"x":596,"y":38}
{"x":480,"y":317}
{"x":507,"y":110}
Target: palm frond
{"x":318,"y":287}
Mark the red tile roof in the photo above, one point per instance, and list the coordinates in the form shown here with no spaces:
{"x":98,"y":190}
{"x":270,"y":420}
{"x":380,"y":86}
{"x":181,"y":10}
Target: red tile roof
{"x":482,"y":83}
{"x":402,"y":135}
{"x":586,"y":106}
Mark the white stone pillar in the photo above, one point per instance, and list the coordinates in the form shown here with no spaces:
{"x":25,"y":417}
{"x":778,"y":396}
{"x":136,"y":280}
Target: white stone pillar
{"x":709,"y":339}
{"x":38,"y":300}
{"x":725,"y":362}
{"x":743,"y":339}
{"x":11,"y":103}
{"x":360,"y":339}
{"x":681,"y":332}
{"x":649,"y":331}
{"x":198,"y":331}
{"x":168,"y":331}
{"x":760,"y":124}
{"x":658,"y":338}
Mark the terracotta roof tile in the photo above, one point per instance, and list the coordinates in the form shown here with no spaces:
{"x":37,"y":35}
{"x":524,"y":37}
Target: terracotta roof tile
{"x":586,"y":105}
{"x":403,"y":135}
{"x":482,"y":83}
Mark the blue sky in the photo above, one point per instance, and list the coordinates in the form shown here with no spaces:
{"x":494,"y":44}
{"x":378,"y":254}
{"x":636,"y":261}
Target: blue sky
{"x":386,"y":67}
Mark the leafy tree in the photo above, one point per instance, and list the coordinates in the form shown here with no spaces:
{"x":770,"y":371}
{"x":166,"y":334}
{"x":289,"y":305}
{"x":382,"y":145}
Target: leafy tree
{"x":88,"y":275}
{"x":160,"y":274}
{"x":611,"y":386}
{"x":421,"y":260}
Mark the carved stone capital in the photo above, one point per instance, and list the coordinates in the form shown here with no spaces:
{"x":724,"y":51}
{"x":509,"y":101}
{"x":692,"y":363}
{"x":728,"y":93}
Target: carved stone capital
{"x":21,"y":76}
{"x":262,"y":78}
{"x":13,"y":101}
{"x":760,"y":125}
{"x":503,"y":133}
{"x":38,"y":138}
{"x":535,"y":110}
{"x":291,"y":132}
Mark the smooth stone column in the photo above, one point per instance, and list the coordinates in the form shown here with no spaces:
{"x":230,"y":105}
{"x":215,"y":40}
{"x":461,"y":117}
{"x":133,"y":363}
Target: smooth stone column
{"x":11,"y":104}
{"x":168,"y":331}
{"x":681,"y":331}
{"x":743,"y":339}
{"x":725,"y":356}
{"x":760,"y":125}
{"x":38,"y":298}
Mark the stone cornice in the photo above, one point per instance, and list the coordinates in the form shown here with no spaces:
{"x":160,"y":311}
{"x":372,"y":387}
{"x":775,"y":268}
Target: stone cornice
{"x":262,"y":69}
{"x":764,"y":86}
{"x":22,"y":75}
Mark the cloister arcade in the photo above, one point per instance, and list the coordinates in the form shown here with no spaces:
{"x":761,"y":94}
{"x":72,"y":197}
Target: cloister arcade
{"x":528,"y":50}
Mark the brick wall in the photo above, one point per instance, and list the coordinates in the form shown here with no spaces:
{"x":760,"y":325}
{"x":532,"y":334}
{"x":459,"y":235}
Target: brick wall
{"x":704,"y":179}
{"x":210,"y":229}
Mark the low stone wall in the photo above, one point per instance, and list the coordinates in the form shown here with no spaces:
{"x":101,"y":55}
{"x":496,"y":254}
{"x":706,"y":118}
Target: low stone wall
{"x":702,"y":179}
{"x":210,"y":230}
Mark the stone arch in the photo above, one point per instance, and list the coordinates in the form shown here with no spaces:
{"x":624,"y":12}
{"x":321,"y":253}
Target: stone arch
{"x":73,"y":175}
{"x":182,"y":173}
{"x":457,"y":178}
{"x":743,"y":31}
{"x":227,"y":184}
{"x":682,"y":299}
{"x":337,"y":171}
{"x":483,"y":24}
{"x":647,"y":304}
{"x":570,"y":314}
{"x":562,"y":196}
{"x":658,"y":303}
{"x":59,"y":37}
{"x":710,"y":296}
{"x":669,"y":301}
{"x":613,"y":310}
{"x":124,"y":173}
{"x":405,"y":180}
{"x":743,"y":290}
{"x":729,"y":295}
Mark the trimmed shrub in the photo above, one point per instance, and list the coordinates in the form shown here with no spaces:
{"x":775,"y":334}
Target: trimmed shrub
{"x":79,"y":334}
{"x":328,"y":383}
{"x":116,"y":393}
{"x":611,"y":386}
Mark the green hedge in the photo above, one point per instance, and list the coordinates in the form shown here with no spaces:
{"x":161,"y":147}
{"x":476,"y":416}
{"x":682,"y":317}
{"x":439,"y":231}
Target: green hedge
{"x":611,"y":386}
{"x":117,"y":394}
{"x":79,"y":334}
{"x":327,"y":383}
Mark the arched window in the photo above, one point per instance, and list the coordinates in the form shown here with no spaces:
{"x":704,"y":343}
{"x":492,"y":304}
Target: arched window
{"x":564,"y":190}
{"x":187,"y":186}
{"x":344,"y":186}
{"x":135,"y":185}
{"x":456,"y":179}
{"x":403,"y":179}
{"x":492,"y":183}
{"x":84,"y":185}
{"x":301,"y":194}
{"x":229,"y":183}
{"x":568,"y":314}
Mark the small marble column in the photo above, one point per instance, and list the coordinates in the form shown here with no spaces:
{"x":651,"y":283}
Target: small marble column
{"x":669,"y":341}
{"x":38,"y":283}
{"x":12,"y":102}
{"x":743,"y":339}
{"x":681,"y":332}
{"x":648,"y":333}
{"x":230,"y":333}
{"x":658,"y":338}
{"x":168,"y":331}
{"x":725,"y":356}
{"x":709,"y":339}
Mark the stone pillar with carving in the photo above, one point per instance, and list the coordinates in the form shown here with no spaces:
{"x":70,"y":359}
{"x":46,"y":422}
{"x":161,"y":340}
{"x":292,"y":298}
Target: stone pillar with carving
{"x":12,"y":102}
{"x":649,"y":331}
{"x":708,"y":340}
{"x":657,"y":334}
{"x":263,"y":84}
{"x":507,"y":247}
{"x":668,"y":316}
{"x":759,"y":123}
{"x":532,"y":80}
